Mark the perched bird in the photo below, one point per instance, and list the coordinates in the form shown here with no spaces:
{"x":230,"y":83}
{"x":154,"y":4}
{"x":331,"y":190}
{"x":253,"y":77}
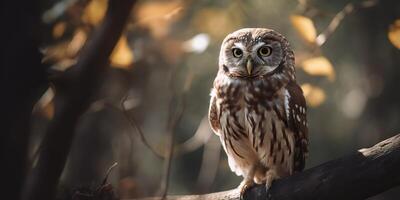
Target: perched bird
{"x":257,"y":108}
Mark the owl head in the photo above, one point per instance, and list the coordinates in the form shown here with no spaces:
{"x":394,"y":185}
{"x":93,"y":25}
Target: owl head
{"x":253,"y":53}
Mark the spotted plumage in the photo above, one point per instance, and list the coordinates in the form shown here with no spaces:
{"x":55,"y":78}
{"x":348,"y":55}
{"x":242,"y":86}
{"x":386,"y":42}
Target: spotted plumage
{"x":257,"y":109}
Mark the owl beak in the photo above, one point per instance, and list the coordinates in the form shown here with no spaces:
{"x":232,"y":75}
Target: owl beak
{"x":249,"y":66}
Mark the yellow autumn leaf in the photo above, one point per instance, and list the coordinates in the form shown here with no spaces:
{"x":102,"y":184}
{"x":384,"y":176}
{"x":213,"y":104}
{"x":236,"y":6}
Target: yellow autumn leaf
{"x":122,"y":55}
{"x":314,"y":95}
{"x":64,"y":64}
{"x":55,"y":52}
{"x":94,"y":12}
{"x":305,"y":27}
{"x":48,"y":110}
{"x":394,"y":33}
{"x":59,"y":29}
{"x":77,"y":42}
{"x":319,"y":66}
{"x":45,"y":105}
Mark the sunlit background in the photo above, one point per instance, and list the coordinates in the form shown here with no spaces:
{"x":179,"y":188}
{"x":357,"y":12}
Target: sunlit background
{"x":162,"y":69}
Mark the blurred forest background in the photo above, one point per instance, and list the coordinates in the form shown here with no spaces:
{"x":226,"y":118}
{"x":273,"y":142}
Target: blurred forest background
{"x":156,"y":91}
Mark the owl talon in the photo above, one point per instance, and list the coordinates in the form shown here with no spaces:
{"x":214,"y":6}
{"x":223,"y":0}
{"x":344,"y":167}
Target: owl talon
{"x":244,"y":186}
{"x":268,"y":192}
{"x":243,"y":191}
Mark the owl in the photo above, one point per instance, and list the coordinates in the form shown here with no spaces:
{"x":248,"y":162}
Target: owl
{"x":257,"y":108}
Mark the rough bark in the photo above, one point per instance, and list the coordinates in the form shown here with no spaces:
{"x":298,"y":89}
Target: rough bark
{"x":363,"y":174}
{"x":75,"y":90}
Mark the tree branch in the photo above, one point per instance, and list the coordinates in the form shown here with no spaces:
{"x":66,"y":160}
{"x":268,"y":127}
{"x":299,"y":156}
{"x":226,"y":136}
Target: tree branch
{"x":75,"y":90}
{"x":363,"y":174}
{"x":348,"y":9}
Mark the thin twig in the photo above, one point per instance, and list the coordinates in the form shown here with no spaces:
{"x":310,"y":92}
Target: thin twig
{"x":139,"y":130}
{"x":174,"y":118}
{"x":130,"y":136}
{"x":209,"y":164}
{"x":170,"y":153}
{"x":201,"y":137}
{"x":173,"y":122}
{"x":108,"y":173}
{"x":349,"y":8}
{"x":167,"y":166}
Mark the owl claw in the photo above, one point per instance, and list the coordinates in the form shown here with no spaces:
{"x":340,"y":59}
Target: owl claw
{"x":244,"y":186}
{"x":242,"y":191}
{"x":268,"y":191}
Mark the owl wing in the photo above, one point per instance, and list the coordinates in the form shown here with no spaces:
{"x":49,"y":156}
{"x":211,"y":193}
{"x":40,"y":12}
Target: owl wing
{"x":213,"y":116}
{"x":296,"y":109}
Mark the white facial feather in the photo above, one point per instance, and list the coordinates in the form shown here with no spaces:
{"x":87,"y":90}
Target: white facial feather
{"x":239,"y":45}
{"x":257,"y":46}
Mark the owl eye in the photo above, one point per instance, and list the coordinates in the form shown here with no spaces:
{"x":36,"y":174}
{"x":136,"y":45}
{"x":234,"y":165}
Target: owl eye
{"x":237,"y":53}
{"x":265,"y":51}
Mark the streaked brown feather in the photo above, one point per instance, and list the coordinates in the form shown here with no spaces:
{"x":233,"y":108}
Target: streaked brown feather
{"x":213,"y":116}
{"x":298,"y":124}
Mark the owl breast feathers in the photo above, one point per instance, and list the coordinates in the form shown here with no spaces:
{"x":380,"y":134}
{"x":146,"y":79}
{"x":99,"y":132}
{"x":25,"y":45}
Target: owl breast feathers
{"x":257,"y":108}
